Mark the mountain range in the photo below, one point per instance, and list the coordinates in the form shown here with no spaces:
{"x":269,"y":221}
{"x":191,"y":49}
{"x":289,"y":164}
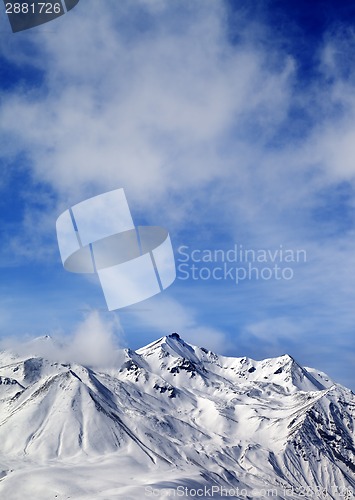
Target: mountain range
{"x":173,"y":420}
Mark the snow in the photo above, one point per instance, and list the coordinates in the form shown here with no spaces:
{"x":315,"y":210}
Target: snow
{"x":172,"y":415}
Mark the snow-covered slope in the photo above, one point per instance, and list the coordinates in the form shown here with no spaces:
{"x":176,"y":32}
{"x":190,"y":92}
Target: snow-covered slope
{"x":173,"y":415}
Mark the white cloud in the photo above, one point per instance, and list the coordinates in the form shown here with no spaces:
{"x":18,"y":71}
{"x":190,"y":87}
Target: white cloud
{"x":94,"y":342}
{"x":274,"y":330}
{"x":146,"y":113}
{"x":165,"y":313}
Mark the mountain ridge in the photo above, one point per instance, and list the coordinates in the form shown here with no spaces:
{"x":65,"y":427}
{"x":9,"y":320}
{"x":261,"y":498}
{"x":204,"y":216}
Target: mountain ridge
{"x":182,"y":409}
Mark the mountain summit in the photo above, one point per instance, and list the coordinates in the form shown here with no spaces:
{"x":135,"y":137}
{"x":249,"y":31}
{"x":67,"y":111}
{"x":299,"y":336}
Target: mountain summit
{"x":176,"y":411}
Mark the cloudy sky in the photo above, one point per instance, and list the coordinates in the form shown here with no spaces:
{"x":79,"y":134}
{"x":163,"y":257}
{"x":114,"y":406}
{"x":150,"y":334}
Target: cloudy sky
{"x":230,"y":123}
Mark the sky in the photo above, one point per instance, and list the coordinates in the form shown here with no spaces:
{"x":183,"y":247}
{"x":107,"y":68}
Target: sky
{"x":229,"y":123}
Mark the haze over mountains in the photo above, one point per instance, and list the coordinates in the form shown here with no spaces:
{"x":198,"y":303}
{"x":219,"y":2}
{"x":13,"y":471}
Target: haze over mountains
{"x":171,"y":415}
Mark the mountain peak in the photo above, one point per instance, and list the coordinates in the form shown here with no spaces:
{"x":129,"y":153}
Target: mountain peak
{"x":170,"y":345}
{"x":175,"y":336}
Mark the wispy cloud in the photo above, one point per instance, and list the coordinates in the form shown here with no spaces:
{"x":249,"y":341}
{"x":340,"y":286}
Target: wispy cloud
{"x":94,"y":342}
{"x":158,"y":119}
{"x":166,"y":314}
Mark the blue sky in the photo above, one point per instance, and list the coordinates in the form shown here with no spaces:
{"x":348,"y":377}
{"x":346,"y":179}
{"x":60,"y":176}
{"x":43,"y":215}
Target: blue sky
{"x":225,"y":122}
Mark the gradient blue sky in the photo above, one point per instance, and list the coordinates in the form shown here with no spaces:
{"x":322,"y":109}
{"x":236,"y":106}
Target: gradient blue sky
{"x":225,"y":122}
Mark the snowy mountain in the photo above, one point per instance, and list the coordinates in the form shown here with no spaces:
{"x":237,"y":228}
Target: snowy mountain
{"x":173,"y":418}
